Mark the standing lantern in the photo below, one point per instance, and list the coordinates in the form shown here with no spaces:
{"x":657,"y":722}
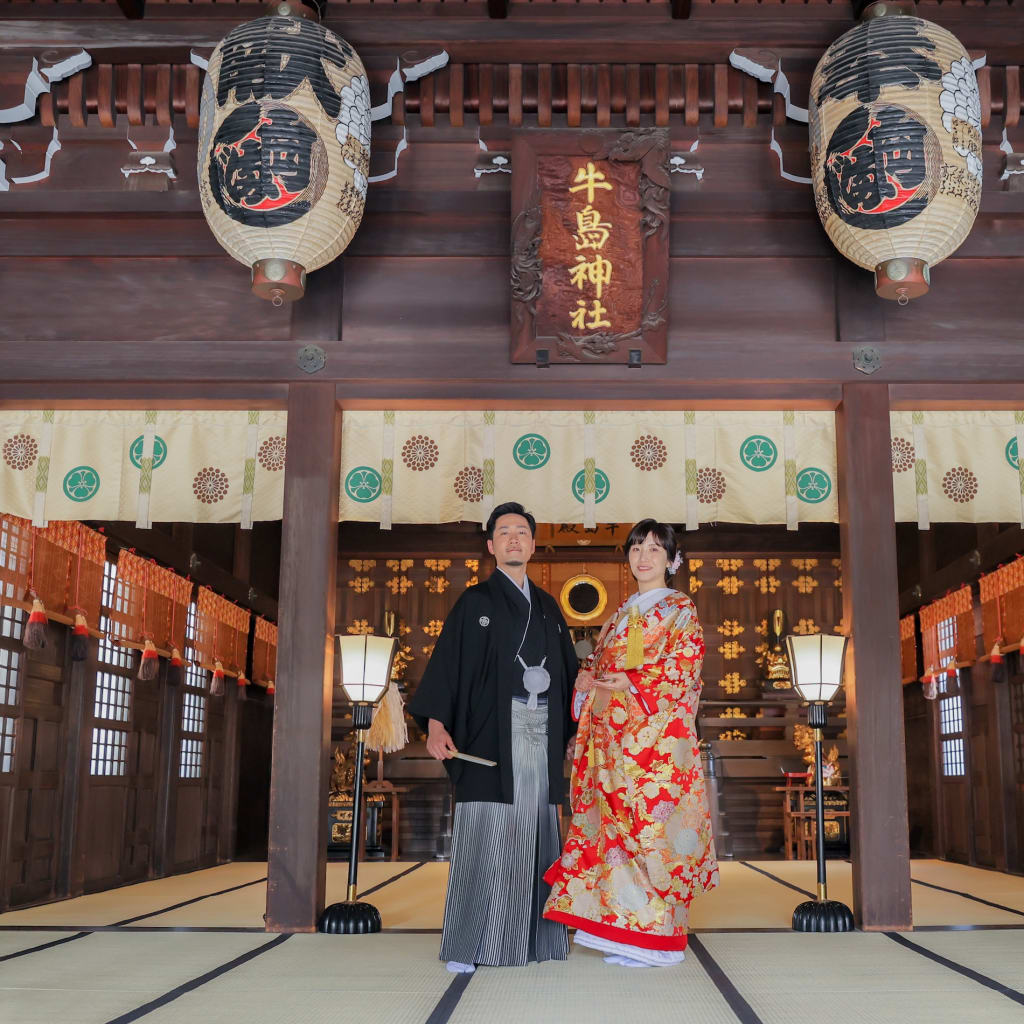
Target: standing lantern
{"x":895,"y":137}
{"x":284,"y":148}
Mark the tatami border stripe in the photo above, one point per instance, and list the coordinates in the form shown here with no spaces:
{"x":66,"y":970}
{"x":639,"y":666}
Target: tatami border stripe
{"x":968,"y":896}
{"x":442,"y":1013}
{"x":775,"y":878}
{"x":186,"y":903}
{"x":393,"y":878}
{"x":191,"y":986}
{"x":981,"y":979}
{"x":42,"y":946}
{"x":730,"y":993}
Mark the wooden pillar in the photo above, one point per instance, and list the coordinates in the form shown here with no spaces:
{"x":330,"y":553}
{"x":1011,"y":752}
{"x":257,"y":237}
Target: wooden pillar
{"x":867,"y":530}
{"x":297,"y":850}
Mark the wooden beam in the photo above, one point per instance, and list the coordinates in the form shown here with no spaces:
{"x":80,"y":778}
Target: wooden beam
{"x":132,"y":9}
{"x":497,"y":8}
{"x":874,"y":701}
{"x":297,"y":849}
{"x":680,"y":9}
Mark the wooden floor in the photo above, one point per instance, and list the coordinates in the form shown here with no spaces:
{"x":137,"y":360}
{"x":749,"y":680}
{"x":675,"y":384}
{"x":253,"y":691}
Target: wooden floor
{"x":192,"y":948}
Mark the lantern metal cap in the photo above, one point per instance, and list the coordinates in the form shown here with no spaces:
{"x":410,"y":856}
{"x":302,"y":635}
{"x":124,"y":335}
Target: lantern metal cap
{"x":278,"y":280}
{"x":902,"y":279}
{"x":290,"y":9}
{"x":888,"y":8}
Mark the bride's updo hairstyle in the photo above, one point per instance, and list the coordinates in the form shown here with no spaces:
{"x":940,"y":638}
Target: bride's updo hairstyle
{"x":665,"y":537}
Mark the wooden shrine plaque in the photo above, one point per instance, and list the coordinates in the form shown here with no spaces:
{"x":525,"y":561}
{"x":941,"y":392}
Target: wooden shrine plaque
{"x":590,"y":222}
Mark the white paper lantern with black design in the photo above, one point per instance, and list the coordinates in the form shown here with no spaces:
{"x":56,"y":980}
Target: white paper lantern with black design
{"x":284,"y":148}
{"x":895,"y":137}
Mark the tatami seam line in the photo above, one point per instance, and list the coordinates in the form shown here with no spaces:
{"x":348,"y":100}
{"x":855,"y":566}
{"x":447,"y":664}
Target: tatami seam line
{"x":967,"y":972}
{"x":969,"y":896}
{"x":442,"y":1012}
{"x":203,"y":979}
{"x":45,"y":945}
{"x":730,"y":993}
{"x":775,"y":878}
{"x":393,"y":878}
{"x":187,"y":903}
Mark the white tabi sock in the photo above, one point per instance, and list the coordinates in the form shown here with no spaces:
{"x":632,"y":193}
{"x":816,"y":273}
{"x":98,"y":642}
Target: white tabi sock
{"x":458,"y":968}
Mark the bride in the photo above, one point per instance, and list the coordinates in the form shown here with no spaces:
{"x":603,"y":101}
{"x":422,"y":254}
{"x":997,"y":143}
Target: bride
{"x":639,"y":847}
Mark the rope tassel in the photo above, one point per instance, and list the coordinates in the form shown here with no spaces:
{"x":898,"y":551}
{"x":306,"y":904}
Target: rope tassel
{"x":35,"y":630}
{"x":149,"y":665}
{"x":175,"y":668}
{"x":80,"y":638}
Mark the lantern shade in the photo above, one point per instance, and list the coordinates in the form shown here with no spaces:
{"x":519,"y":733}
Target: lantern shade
{"x":284,"y":149}
{"x":895,"y":136}
{"x":366,"y":666}
{"x":817,"y":664}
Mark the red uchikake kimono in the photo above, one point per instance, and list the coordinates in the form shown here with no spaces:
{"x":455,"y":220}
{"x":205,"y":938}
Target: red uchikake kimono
{"x":639,"y":847}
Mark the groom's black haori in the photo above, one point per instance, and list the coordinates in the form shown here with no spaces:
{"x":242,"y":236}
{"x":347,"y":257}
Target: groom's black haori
{"x":506,"y":817}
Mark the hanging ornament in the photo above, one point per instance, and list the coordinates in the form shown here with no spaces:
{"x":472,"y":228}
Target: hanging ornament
{"x":35,"y":630}
{"x":951,"y":668}
{"x":175,"y":668}
{"x":284,"y":148}
{"x":149,"y":665}
{"x":242,"y":684}
{"x":389,"y":732}
{"x":217,"y":682}
{"x":998,"y":664}
{"x":895,"y":137}
{"x":270,"y":687}
{"x":930,"y":686}
{"x":80,"y":638}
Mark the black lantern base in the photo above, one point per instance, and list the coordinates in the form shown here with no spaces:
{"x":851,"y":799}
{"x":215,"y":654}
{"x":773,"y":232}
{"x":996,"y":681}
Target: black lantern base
{"x":822,"y":916}
{"x":350,"y":919}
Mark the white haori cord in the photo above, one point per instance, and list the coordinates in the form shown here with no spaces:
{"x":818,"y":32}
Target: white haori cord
{"x":625,"y":955}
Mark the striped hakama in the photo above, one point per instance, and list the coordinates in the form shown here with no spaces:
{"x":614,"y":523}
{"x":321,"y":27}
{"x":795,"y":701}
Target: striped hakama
{"x":499,"y":853}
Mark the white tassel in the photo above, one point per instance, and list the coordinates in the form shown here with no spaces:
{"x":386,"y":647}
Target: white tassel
{"x":389,"y":732}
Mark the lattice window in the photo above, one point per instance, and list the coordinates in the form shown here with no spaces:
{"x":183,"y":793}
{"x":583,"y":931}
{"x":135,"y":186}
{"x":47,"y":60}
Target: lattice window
{"x":11,"y":618}
{"x":113,"y":697}
{"x":7,"y":727}
{"x":947,"y":638}
{"x":109,"y":752}
{"x":10,"y":663}
{"x":953,"y":757}
{"x":193,"y":714}
{"x":193,"y":707}
{"x":951,"y":727}
{"x":191,"y":765}
{"x":108,"y":652}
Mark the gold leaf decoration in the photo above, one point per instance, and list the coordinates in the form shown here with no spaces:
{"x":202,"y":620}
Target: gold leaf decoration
{"x":433,"y":627}
{"x":362,"y":564}
{"x":837,"y":563}
{"x":760,"y":650}
{"x":767,"y":565}
{"x":437,"y":584}
{"x":732,"y":734}
{"x":399,"y":564}
{"x":403,"y":658}
{"x":732,"y":683}
{"x":729,"y":564}
{"x":730,"y":584}
{"x":361,"y":584}
{"x":761,"y":629}
{"x":428,"y":649}
{"x":733,"y":713}
{"x":805,"y":627}
{"x":399,"y":584}
{"x":805,"y":584}
{"x":472,"y":581}
{"x":731,"y":650}
{"x":804,"y":564}
{"x":473,"y":564}
{"x":731,"y":627}
{"x":696,"y":563}
{"x":695,"y":584}
{"x":359,"y":627}
{"x":438,"y":564}
{"x":767,"y":584}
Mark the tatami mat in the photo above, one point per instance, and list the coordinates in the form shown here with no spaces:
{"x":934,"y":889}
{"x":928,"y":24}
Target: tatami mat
{"x":838,"y":979}
{"x":997,"y":954}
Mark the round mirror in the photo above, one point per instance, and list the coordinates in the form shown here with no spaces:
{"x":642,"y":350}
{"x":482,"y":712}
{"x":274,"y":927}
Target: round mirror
{"x":583,"y":598}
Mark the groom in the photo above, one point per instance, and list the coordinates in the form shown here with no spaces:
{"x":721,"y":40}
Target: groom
{"x":499,"y":686}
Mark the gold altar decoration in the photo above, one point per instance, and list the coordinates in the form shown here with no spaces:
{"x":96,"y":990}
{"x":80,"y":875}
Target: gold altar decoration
{"x":774,"y":659}
{"x":803,"y":740}
{"x":895,"y":138}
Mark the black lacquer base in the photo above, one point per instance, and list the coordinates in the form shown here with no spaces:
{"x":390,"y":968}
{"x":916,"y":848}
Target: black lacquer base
{"x":350,"y":919}
{"x":823,"y":916}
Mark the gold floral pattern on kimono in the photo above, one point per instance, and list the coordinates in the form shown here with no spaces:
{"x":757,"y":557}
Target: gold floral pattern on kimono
{"x":639,"y":846}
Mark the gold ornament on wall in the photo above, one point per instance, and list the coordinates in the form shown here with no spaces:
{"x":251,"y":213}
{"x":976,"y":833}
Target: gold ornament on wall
{"x":361,"y":584}
{"x":359,"y":627}
{"x":731,"y":627}
{"x":732,"y":683}
{"x":805,"y":584}
{"x":731,"y":650}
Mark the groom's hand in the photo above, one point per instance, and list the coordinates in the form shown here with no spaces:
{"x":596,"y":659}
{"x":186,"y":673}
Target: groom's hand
{"x":439,"y":743}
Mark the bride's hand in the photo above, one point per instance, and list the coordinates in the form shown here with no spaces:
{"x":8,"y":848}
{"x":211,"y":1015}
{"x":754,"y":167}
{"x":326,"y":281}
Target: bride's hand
{"x":585,"y":680}
{"x":613,"y":681}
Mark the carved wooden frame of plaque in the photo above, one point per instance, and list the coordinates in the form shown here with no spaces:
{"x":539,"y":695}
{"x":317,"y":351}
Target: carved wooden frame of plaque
{"x":648,"y":342}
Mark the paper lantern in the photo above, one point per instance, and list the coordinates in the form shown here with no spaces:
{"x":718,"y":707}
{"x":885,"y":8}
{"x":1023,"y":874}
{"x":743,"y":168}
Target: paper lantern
{"x":895,"y":136}
{"x":284,"y":148}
